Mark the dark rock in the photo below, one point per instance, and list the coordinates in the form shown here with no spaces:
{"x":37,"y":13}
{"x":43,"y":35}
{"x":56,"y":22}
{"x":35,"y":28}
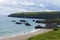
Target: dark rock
{"x":18,"y":23}
{"x":55,"y":29}
{"x":51,"y":26}
{"x":48,"y":26}
{"x":13,"y":20}
{"x":37,"y":21}
{"x":33,"y":20}
{"x":38,"y":27}
{"x":40,"y":21}
{"x":22,"y":20}
{"x":27,"y":24}
{"x":58,"y":23}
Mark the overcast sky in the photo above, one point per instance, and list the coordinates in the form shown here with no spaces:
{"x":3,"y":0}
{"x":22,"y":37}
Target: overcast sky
{"x":11,"y":6}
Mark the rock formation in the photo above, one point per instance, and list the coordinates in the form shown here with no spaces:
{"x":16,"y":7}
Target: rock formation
{"x":51,"y":25}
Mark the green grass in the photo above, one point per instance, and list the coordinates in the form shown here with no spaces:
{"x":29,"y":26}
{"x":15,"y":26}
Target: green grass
{"x":52,"y":35}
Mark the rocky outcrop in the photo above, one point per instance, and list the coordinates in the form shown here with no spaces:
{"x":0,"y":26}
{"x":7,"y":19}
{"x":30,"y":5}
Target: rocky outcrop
{"x":18,"y":23}
{"x":40,"y":21}
{"x":27,"y":24}
{"x":38,"y":27}
{"x":51,"y":26}
{"x":58,"y":23}
{"x":23,"y":21}
{"x":48,"y":26}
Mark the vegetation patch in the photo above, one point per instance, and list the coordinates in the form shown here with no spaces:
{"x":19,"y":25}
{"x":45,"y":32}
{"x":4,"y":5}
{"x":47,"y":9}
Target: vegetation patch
{"x":51,"y":35}
{"x":38,"y":15}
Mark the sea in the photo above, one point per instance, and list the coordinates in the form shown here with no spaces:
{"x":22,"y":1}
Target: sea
{"x":10,"y":29}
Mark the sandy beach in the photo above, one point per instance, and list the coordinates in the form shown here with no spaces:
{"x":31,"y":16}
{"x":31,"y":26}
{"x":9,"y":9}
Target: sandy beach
{"x":26,"y":36}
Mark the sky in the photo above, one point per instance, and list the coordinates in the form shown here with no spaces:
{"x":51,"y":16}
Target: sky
{"x":12,"y":6}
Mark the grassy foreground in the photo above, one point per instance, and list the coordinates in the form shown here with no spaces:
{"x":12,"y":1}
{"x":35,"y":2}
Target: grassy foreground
{"x":52,"y":35}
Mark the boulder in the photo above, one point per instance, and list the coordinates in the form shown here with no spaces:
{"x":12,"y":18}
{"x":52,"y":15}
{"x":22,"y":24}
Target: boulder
{"x":38,"y":27}
{"x":40,"y":21}
{"x":13,"y":20}
{"x":27,"y":24}
{"x":18,"y":23}
{"x":37,"y":21}
{"x":22,"y":20}
{"x":55,"y":29}
{"x":33,"y":20}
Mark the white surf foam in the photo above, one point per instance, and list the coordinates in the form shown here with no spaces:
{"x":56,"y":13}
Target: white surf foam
{"x":19,"y":34}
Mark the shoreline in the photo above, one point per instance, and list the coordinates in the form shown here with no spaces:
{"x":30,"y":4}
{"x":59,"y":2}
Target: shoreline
{"x":19,"y":34}
{"x":25,"y":36}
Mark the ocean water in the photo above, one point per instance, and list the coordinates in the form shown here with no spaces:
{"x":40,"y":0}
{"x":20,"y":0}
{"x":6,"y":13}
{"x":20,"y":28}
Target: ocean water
{"x":9,"y":28}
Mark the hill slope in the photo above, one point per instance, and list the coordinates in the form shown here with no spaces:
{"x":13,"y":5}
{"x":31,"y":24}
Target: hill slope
{"x":52,"y":35}
{"x":39,"y":15}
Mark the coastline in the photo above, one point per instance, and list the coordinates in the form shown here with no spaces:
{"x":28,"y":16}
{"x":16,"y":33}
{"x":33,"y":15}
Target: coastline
{"x":20,"y":34}
{"x":25,"y":36}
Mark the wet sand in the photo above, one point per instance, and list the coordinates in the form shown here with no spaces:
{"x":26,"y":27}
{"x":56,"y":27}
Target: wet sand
{"x":26,"y":36}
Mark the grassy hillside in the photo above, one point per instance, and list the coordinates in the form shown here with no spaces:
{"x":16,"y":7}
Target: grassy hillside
{"x":52,"y":35}
{"x":39,"y":15}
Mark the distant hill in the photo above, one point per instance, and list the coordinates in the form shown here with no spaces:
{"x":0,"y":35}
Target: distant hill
{"x":38,"y":15}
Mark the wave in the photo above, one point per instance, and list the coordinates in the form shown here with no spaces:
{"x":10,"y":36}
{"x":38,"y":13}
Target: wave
{"x":19,"y":34}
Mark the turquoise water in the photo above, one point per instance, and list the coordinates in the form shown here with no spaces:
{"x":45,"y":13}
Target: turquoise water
{"x":7,"y":27}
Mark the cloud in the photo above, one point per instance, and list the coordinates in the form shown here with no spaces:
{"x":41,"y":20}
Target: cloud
{"x":42,"y":5}
{"x":53,"y":2}
{"x":10,"y":6}
{"x":27,"y":3}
